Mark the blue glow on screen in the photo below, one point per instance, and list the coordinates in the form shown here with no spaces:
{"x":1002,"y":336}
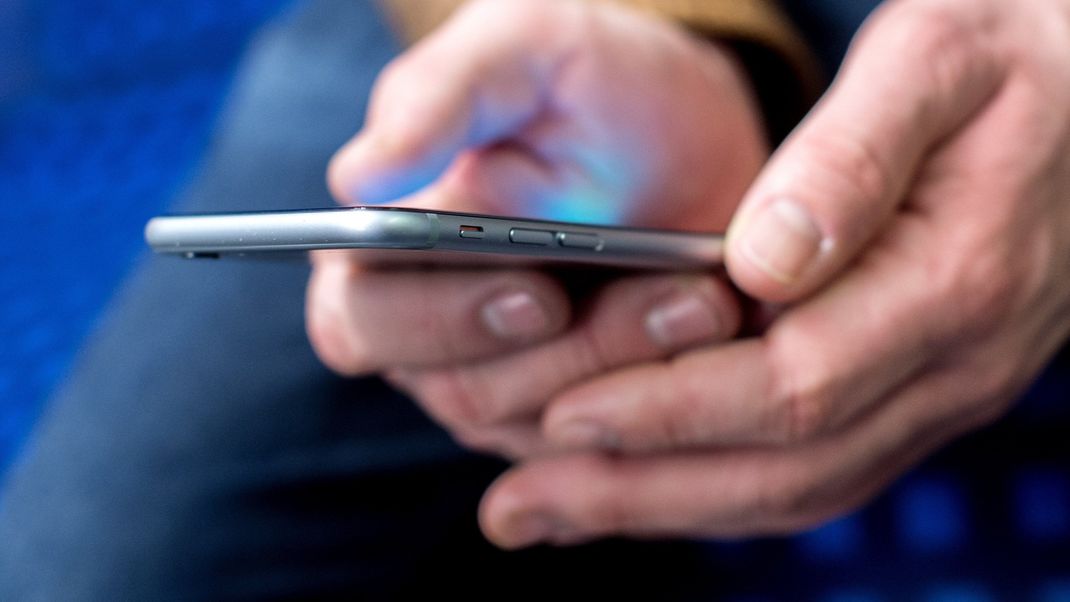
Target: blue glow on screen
{"x":592,"y":187}
{"x":396,"y":184}
{"x":580,"y":209}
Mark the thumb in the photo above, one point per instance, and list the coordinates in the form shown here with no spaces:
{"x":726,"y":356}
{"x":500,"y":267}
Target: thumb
{"x":476,"y":80}
{"x":912,"y":77}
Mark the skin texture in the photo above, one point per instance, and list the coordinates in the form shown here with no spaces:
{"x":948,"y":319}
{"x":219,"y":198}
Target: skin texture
{"x":538,"y":108}
{"x":912,"y":231}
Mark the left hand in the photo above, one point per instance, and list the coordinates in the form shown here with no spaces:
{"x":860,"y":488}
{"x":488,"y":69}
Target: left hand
{"x":919,"y":223}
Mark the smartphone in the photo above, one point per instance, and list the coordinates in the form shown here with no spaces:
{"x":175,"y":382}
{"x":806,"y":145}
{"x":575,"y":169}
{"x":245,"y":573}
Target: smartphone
{"x":391,"y":235}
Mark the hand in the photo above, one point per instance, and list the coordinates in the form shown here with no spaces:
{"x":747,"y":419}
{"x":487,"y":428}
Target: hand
{"x":559,"y":109}
{"x":567,"y":109}
{"x":917,"y":224}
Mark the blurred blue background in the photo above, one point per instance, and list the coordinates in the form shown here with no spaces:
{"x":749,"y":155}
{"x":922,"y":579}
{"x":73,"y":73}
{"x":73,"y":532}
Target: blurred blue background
{"x":106,"y":107}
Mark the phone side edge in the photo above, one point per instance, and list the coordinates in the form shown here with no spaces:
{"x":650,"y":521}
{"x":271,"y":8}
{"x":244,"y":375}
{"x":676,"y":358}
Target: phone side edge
{"x":290,"y":231}
{"x":612,"y":246}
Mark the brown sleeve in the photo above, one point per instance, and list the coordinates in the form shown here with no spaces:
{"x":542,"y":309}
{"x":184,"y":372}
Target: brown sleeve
{"x":416,"y":18}
{"x":784,"y":72}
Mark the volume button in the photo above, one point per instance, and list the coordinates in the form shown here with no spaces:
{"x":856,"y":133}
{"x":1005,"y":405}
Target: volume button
{"x":522,"y":236}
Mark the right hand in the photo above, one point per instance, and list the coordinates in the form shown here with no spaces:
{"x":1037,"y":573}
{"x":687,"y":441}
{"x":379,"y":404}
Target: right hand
{"x":558,"y":109}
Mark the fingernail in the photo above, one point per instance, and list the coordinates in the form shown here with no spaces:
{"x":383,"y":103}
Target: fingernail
{"x":516,"y":316}
{"x":782,"y":240}
{"x":584,"y":433}
{"x":683,"y":319}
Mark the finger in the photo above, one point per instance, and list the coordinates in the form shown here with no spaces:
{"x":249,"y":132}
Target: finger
{"x":632,"y":320}
{"x":729,"y":493}
{"x":466,"y":85}
{"x":913,"y":76}
{"x":514,"y":440}
{"x":510,"y":179}
{"x":361,"y":321}
{"x":514,"y":179}
{"x":806,"y":376}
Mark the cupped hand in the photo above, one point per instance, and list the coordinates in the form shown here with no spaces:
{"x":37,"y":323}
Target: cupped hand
{"x":917,"y":228}
{"x":560,"y":109}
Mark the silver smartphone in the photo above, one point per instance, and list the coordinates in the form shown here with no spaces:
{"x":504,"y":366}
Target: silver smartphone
{"x":390,"y":235}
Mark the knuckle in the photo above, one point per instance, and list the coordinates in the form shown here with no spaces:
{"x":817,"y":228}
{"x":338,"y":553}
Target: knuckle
{"x":681,"y":421}
{"x":807,"y":408}
{"x":802,"y":394}
{"x":940,"y":34}
{"x":848,"y":165}
{"x":943,"y":41}
{"x":987,"y":289}
{"x":677,"y":427}
{"x":975,"y":289}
